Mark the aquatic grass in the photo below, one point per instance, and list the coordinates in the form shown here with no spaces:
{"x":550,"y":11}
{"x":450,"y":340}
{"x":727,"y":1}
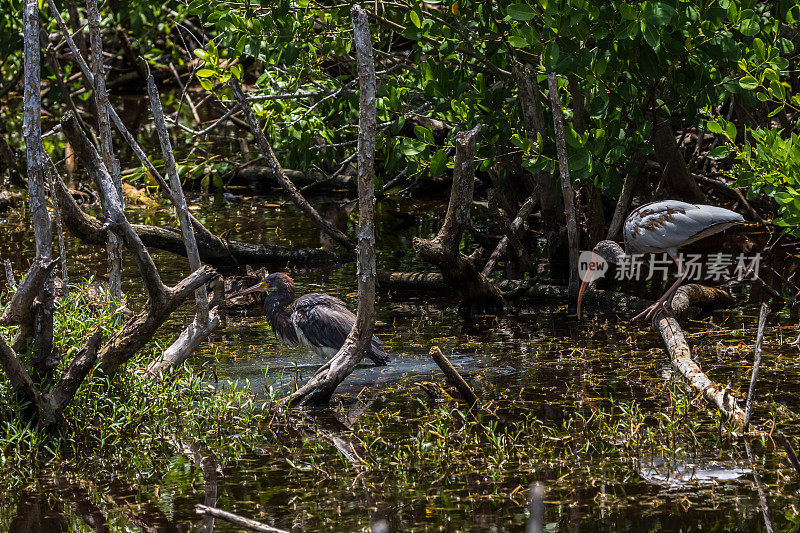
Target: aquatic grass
{"x":128,"y":423}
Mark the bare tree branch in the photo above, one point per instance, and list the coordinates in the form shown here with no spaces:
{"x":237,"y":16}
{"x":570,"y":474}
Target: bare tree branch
{"x":322,"y":385}
{"x":277,"y":169}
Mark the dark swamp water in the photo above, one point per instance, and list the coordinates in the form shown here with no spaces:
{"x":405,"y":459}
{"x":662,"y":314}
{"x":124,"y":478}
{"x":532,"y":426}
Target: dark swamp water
{"x":579,"y":384}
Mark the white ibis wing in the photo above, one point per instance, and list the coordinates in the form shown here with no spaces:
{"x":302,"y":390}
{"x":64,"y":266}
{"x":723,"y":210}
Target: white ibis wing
{"x":670,"y":224}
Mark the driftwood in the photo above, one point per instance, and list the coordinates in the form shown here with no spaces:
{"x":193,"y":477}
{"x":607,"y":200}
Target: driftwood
{"x":681,"y":358}
{"x":458,"y":270}
{"x":319,"y":389}
{"x":288,"y":186}
{"x":570,"y":204}
{"x":237,"y":520}
{"x":454,"y":377}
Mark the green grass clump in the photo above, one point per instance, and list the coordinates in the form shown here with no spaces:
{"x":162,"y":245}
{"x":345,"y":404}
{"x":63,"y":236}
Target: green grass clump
{"x":126,"y":422}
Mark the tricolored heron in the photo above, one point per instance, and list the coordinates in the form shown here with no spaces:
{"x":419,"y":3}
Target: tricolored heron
{"x":663,"y":227}
{"x":317,"y":321}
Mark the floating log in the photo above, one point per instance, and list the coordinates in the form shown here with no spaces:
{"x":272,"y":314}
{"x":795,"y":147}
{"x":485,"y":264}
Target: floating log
{"x":681,"y":357}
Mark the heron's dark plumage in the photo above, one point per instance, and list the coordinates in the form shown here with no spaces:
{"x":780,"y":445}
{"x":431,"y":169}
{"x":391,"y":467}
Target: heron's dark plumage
{"x":318,"y":321}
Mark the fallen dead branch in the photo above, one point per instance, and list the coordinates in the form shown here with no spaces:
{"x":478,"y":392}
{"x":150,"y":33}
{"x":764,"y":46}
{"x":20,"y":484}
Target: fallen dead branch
{"x":412,"y":281}
{"x":218,"y":252}
{"x":278,"y":172}
{"x":237,"y":520}
{"x":454,"y":377}
{"x":681,"y":357}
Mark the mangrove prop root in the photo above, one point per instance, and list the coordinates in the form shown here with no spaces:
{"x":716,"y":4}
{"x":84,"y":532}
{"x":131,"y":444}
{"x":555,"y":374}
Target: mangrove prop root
{"x":18,"y":310}
{"x":319,"y":389}
{"x":237,"y":520}
{"x":681,"y":357}
{"x":455,"y":378}
{"x":458,"y":270}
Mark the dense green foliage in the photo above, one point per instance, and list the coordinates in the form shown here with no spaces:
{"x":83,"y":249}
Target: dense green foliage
{"x":453,"y":61}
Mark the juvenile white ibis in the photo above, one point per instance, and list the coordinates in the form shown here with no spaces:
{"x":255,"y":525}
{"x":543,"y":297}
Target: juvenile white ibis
{"x":663,"y":227}
{"x":318,"y":321}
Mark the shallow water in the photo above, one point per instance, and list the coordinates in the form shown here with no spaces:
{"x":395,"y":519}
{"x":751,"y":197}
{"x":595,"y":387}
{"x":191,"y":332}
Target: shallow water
{"x":534,"y":361}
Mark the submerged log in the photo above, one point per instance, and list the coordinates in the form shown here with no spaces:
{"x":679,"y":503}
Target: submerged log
{"x":237,"y":520}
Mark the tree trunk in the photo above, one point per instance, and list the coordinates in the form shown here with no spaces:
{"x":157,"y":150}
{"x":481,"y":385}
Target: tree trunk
{"x":679,"y":180}
{"x":106,"y":144}
{"x":43,"y":319}
{"x":570,"y":205}
{"x":322,"y":385}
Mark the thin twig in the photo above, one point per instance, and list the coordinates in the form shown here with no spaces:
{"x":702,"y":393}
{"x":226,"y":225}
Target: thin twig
{"x":751,"y":393}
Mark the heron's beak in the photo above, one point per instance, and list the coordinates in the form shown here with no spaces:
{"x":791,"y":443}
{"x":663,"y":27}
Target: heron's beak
{"x":585,"y":283}
{"x":260,"y":286}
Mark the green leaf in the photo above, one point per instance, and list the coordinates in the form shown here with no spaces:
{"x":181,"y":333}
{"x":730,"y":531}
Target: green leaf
{"x":236,"y":71}
{"x":730,"y":130}
{"x":411,"y":147}
{"x":204,"y":73}
{"x":749,"y":27}
{"x":517,"y":42}
{"x":720,"y":152}
{"x":748,"y":83}
{"x":776,"y":111}
{"x":658,"y":13}
{"x":522,"y":12}
{"x":414,"y":17}
{"x":760,"y":49}
{"x":627,"y":12}
{"x":714,"y":127}
{"x":206,"y":84}
{"x":423,"y":134}
{"x":438,"y":163}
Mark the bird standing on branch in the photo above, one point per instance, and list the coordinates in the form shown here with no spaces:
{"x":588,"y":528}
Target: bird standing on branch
{"x":317,"y":321}
{"x":662,"y":227}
